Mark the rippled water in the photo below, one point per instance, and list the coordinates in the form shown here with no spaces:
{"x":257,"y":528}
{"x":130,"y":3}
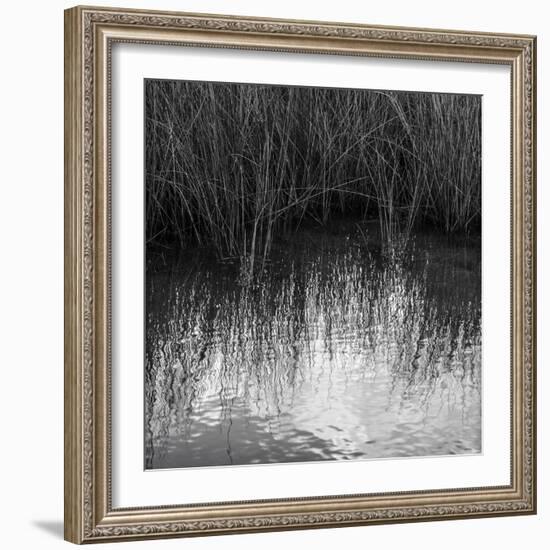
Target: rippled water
{"x":335,"y":353}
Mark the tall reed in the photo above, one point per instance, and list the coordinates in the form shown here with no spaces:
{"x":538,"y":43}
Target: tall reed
{"x":231,"y":166}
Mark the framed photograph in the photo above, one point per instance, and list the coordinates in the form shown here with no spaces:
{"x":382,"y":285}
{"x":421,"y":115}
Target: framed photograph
{"x":299,"y":274}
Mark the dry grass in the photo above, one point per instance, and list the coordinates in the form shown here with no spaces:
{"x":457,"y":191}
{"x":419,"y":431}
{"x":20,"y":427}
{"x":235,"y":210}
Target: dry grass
{"x":233,"y":165}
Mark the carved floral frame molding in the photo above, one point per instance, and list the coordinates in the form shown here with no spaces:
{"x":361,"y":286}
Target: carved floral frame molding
{"x":89,"y":35}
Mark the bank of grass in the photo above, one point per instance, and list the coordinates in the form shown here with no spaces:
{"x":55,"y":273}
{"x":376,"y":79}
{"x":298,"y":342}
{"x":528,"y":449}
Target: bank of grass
{"x":233,"y":165}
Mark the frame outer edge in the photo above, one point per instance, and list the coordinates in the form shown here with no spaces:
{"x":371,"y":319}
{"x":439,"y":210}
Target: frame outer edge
{"x":73,"y":432}
{"x":535,"y":272}
{"x":83,"y":518}
{"x":532,"y":270}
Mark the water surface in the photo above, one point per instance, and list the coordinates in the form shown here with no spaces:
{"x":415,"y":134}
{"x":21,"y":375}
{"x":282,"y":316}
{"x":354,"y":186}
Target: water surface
{"x":335,"y":352}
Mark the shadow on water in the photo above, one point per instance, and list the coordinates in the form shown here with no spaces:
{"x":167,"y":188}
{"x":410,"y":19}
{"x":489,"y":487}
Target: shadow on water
{"x":335,"y":352}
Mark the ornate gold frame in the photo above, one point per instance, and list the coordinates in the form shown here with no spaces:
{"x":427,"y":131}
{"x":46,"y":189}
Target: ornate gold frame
{"x":89,"y":34}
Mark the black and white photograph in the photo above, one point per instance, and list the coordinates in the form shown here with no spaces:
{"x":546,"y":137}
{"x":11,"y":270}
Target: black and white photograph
{"x":313,"y":274}
{"x":274,"y":275}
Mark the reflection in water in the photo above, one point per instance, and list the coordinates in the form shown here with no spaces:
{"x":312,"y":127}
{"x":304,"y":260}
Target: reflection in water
{"x":334,"y":353}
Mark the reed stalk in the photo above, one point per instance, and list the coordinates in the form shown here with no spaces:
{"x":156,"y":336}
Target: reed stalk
{"x":231,"y":166}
